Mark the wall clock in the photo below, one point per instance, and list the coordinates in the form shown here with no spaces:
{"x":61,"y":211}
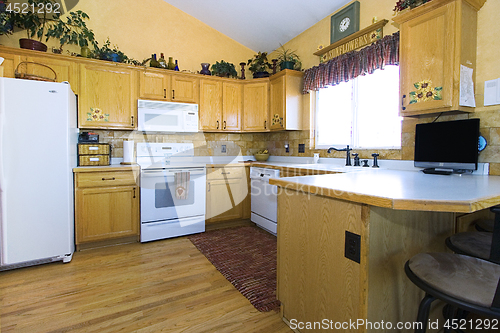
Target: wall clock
{"x":344,"y":22}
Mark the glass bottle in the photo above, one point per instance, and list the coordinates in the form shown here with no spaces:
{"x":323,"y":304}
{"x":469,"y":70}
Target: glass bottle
{"x":171,"y":64}
{"x":154,"y":62}
{"x":176,"y":65}
{"x":162,"y":62}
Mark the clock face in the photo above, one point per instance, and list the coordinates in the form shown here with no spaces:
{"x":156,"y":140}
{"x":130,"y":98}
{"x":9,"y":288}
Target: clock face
{"x":344,"y":24}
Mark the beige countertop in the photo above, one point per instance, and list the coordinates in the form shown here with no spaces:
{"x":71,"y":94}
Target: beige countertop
{"x":104,"y":168}
{"x":403,"y":190}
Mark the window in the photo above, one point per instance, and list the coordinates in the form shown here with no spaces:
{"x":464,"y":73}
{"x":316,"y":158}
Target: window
{"x":361,"y":113}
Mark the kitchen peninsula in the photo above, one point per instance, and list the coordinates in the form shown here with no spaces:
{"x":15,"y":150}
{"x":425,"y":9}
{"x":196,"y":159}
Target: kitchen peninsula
{"x":396,"y":214}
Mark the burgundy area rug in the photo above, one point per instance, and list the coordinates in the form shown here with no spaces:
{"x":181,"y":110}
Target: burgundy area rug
{"x":246,"y":256}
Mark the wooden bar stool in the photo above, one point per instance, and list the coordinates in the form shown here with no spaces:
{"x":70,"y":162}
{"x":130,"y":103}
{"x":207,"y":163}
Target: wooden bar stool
{"x":484,"y":245}
{"x":463,"y":282}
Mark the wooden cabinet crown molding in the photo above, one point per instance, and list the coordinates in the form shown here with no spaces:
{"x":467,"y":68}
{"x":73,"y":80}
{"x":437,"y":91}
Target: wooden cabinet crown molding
{"x":430,"y":6}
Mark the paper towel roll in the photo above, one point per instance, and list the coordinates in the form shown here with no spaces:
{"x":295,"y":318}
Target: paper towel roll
{"x":128,"y":152}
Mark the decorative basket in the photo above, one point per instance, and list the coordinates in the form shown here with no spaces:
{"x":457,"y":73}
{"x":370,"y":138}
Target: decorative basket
{"x":27,"y":76}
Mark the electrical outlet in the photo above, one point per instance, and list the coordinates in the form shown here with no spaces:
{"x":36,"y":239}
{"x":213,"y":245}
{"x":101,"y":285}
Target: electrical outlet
{"x":352,"y":246}
{"x":287,"y":148}
{"x":302,"y":148}
{"x":223,"y":149}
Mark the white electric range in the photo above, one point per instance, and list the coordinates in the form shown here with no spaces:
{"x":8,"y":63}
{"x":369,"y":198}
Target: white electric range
{"x":172,"y":191}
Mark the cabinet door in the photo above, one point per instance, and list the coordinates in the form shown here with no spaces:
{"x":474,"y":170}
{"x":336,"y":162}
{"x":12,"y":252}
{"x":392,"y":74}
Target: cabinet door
{"x":277,"y":108}
{"x":106,"y":213}
{"x":9,"y":64}
{"x":108,"y":97}
{"x":65,"y":70}
{"x":256,"y":106}
{"x":232,"y":104}
{"x":184,"y":89}
{"x":210,"y":105}
{"x":154,"y":85}
{"x":427,"y":58}
{"x":221,"y":205}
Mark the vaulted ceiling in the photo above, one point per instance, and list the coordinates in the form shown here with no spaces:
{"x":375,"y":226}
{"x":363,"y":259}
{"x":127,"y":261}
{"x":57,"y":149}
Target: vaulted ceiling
{"x":260,"y":25}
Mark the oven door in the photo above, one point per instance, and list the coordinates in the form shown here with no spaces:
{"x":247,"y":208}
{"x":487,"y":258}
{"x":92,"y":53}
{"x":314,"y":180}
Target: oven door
{"x":158,"y":199}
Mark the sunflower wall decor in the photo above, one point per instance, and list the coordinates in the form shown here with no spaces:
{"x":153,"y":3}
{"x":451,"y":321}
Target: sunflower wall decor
{"x":425,"y":92}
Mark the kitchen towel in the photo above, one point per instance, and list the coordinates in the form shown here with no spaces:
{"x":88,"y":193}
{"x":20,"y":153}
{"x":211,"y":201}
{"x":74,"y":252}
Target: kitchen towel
{"x":182,"y":185}
{"x":128,"y":152}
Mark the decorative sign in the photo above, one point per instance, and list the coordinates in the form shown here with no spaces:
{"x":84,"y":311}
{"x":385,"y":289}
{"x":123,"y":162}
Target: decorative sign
{"x":352,"y":42}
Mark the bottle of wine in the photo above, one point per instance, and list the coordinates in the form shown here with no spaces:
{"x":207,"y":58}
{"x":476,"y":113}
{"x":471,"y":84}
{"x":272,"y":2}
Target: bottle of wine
{"x":154,"y":62}
{"x":163,"y":63}
{"x":176,"y":65}
{"x":171,"y":64}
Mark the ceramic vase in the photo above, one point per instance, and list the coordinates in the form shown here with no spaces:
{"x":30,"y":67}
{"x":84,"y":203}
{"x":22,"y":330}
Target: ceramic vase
{"x":204,"y":69}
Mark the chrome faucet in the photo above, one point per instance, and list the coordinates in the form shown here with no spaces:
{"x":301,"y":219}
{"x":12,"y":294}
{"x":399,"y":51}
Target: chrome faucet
{"x":348,"y":155}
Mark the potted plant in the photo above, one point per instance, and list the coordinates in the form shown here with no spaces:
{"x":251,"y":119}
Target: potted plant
{"x":224,"y":69}
{"x":114,"y":54}
{"x":73,"y":30}
{"x":288,"y":59}
{"x":259,"y":65}
{"x":34,"y":23}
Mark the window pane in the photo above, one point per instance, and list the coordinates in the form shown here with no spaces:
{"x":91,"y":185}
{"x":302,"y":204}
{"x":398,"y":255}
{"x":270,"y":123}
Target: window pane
{"x":334,"y":115}
{"x":378,"y":123}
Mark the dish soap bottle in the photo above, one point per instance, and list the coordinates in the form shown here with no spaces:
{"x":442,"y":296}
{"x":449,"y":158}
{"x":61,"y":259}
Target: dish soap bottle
{"x":176,"y":65}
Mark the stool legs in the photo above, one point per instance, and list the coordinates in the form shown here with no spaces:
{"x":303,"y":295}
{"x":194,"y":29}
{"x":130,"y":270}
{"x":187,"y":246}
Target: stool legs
{"x":423,"y":312}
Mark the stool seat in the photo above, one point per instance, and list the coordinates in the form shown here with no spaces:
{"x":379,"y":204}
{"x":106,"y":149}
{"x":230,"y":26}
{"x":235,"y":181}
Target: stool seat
{"x":485,"y":225}
{"x":467,"y":279}
{"x":476,"y":244}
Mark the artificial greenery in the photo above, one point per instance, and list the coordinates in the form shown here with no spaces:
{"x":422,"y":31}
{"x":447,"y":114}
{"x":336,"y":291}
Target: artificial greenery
{"x":259,"y":63}
{"x":72,"y":30}
{"x":285,"y":55}
{"x":403,"y":4}
{"x":112,"y":54}
{"x":224,"y":69}
{"x":6,"y":19}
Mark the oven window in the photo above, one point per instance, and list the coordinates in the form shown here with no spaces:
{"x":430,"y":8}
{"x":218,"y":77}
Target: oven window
{"x":165,"y":195}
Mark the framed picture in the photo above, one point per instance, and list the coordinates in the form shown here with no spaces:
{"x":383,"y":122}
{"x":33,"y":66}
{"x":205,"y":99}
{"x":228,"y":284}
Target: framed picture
{"x":344,"y":22}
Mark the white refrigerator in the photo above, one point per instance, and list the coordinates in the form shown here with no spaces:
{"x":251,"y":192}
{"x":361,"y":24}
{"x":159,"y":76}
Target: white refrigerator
{"x":38,"y":141}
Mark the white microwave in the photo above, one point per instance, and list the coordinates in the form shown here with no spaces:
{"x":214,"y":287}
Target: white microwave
{"x":159,"y":116}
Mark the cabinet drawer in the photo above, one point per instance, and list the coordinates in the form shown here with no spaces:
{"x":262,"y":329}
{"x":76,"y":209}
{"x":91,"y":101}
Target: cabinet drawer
{"x":93,"y":149}
{"x":225,"y":173}
{"x":99,"y":179}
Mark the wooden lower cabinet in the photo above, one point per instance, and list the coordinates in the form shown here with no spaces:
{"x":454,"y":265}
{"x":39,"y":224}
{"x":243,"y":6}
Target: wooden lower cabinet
{"x":106,"y":206}
{"x":228,"y":195}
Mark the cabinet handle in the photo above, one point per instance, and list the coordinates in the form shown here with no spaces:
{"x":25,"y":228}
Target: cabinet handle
{"x":217,"y":124}
{"x":208,"y":187}
{"x":108,"y":178}
{"x":265,"y":124}
{"x":224,"y":124}
{"x":134,"y":193}
{"x":132,"y":121}
{"x":403,"y":102}
{"x":173,"y":94}
{"x":225,"y":173}
{"x":164,"y":93}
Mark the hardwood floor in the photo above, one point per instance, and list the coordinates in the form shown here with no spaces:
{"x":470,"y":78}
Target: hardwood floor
{"x":163,"y":286}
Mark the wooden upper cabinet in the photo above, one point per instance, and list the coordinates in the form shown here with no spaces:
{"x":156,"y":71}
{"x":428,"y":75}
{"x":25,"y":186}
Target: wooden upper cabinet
{"x":436,"y":40}
{"x":185,"y":89}
{"x":256,"y":106}
{"x":232,"y":106}
{"x":210,"y":111}
{"x":285,"y":112}
{"x":108,"y":98}
{"x":154,"y":85}
{"x":9,"y":64}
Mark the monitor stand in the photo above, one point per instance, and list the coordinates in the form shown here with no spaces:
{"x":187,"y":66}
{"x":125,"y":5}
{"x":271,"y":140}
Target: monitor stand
{"x":437,"y":171}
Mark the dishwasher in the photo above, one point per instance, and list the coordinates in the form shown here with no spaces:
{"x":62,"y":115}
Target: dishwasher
{"x":264,"y":198}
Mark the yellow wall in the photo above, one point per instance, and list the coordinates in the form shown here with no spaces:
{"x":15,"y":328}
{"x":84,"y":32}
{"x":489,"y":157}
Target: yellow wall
{"x":141,"y":28}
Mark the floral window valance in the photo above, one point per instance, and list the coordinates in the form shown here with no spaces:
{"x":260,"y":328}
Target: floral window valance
{"x":350,"y":65}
